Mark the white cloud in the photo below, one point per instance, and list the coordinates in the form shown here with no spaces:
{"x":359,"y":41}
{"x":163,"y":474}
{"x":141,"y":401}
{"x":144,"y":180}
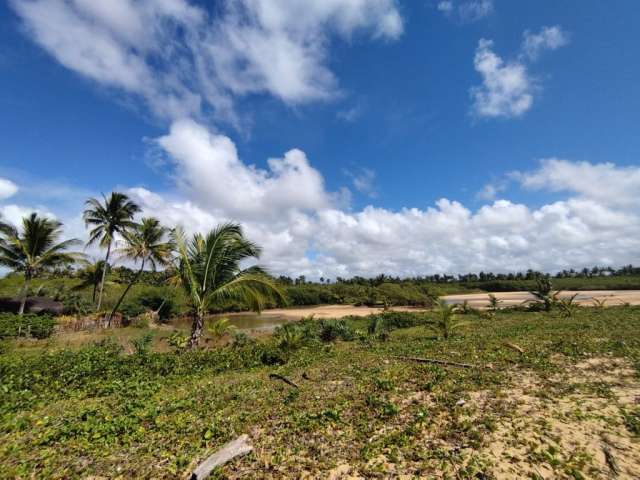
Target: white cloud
{"x":549,"y":38}
{"x":315,"y":237}
{"x":598,"y":221}
{"x":364,"y":181}
{"x":184,"y":62}
{"x":209,"y":169}
{"x":508,"y":88}
{"x":605,"y":183}
{"x":466,"y":12}
{"x":491,"y":190}
{"x":7,"y":188}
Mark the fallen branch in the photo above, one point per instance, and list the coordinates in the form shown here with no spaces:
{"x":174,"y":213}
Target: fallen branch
{"x":610,"y":459}
{"x":437,"y":362}
{"x":284,"y":379}
{"x":229,"y":451}
{"x":515,"y":347}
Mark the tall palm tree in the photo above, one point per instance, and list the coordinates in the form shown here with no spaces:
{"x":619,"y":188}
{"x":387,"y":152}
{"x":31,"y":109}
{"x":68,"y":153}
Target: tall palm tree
{"x":34,"y":249}
{"x":145,"y":243}
{"x":112,"y":216}
{"x":208,"y":268}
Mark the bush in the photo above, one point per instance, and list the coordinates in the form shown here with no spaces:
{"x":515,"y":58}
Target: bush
{"x":142,"y":345}
{"x":332,"y":330}
{"x":154,"y":300}
{"x":36,"y":326}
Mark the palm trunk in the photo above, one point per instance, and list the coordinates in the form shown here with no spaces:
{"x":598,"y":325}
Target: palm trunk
{"x":104,"y":276}
{"x":23,"y":295}
{"x":124,"y":294}
{"x":196,"y":330}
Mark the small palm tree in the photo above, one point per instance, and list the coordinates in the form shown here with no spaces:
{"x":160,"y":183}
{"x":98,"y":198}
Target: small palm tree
{"x":544,"y":293}
{"x":445,"y":322}
{"x":145,"y":242}
{"x":208,"y":268}
{"x":112,"y":216}
{"x":34,"y":249}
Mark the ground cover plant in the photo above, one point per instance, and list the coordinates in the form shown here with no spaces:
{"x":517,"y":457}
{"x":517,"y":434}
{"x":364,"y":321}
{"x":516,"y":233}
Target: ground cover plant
{"x":546,"y":396}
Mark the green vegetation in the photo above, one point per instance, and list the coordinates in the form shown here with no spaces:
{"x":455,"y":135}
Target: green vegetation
{"x":34,"y":249}
{"x":96,"y":411}
{"x":209,"y":272}
{"x":113,"y":216}
{"x":28,"y":326}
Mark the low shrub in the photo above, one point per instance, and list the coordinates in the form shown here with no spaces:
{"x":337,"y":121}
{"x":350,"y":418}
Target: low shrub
{"x":28,"y":325}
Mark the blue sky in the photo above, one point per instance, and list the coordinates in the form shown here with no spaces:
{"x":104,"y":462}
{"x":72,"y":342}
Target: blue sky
{"x":391,"y":105}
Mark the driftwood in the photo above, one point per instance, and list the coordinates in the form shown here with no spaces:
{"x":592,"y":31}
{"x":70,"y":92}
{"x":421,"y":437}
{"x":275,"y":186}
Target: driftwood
{"x":229,"y":451}
{"x":284,"y":379}
{"x":437,"y":362}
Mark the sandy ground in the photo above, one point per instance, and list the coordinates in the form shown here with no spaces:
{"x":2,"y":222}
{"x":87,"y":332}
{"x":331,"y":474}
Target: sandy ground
{"x":329,"y":311}
{"x":612,"y":297}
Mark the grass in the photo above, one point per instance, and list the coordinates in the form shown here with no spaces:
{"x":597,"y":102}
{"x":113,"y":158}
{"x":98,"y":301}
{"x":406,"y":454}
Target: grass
{"x":74,"y":413}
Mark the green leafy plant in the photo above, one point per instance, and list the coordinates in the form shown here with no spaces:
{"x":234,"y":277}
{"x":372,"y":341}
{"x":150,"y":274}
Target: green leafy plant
{"x":544,"y":294}
{"x":142,"y":345}
{"x":220,"y":327}
{"x":568,"y":306}
{"x":445,"y":322}
{"x":494,"y":303}
{"x":208,"y":268}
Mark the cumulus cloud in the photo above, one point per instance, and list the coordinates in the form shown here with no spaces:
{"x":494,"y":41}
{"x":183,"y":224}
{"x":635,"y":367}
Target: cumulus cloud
{"x":208,"y":167}
{"x":184,"y":61}
{"x":605,"y":183}
{"x":597,"y":221}
{"x":318,"y":238}
{"x":7,"y":188}
{"x":508,"y":88}
{"x":466,"y":12}
{"x":549,"y":38}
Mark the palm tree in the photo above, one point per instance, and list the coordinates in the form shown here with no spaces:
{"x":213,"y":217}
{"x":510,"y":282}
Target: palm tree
{"x":91,"y":276}
{"x":34,"y":249}
{"x":145,"y":243}
{"x":208,"y":268}
{"x":445,"y":323}
{"x":114,"y":215}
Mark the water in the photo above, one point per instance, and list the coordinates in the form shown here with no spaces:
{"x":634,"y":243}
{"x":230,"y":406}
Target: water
{"x":253,"y":321}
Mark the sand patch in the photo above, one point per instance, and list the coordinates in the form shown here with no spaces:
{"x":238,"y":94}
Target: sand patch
{"x":548,"y":435}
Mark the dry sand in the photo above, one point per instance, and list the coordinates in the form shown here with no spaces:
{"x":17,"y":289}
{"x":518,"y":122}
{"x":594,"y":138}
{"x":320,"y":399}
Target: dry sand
{"x":612,"y":297}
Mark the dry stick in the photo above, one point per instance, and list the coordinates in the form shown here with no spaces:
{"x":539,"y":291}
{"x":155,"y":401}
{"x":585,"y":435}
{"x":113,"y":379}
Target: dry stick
{"x":437,"y":362}
{"x":611,"y":461}
{"x":515,"y":347}
{"x":284,"y":379}
{"x":229,"y":451}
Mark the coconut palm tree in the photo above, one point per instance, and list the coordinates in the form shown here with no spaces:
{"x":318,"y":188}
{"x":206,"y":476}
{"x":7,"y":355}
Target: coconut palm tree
{"x":112,"y":216}
{"x":208,"y":268}
{"x":34,"y":249}
{"x":145,"y":243}
{"x":90,"y":276}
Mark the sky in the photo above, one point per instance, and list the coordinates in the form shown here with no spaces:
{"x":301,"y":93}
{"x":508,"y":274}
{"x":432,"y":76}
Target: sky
{"x":348,"y":137}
